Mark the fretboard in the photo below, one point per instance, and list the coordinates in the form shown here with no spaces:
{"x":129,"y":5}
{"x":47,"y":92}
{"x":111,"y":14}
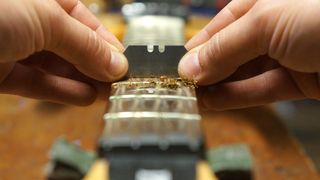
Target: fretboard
{"x":153,"y":111}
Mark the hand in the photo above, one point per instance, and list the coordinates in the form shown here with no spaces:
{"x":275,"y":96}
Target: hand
{"x":56,"y":50}
{"x":256,"y":52}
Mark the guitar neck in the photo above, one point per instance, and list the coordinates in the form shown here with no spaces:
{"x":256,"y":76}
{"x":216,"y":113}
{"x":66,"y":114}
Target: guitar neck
{"x":153,"y":111}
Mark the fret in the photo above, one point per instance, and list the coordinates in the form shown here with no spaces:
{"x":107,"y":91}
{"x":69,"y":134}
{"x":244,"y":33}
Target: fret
{"x":142,"y":108}
{"x":151,"y":96}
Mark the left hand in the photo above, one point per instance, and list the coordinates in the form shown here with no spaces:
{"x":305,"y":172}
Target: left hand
{"x":56,"y":50}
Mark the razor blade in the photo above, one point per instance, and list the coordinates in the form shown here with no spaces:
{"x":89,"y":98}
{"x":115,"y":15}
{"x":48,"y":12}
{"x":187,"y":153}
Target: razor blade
{"x":154,"y":61}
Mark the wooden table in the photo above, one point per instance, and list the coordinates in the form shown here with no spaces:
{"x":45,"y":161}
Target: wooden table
{"x":29,"y":127}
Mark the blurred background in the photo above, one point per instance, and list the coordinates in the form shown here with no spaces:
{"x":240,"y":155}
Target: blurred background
{"x":302,"y":119}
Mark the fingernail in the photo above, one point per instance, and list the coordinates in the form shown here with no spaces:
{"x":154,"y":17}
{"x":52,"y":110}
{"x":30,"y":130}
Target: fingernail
{"x":118,"y":65}
{"x":109,"y":37}
{"x":189,"y":66}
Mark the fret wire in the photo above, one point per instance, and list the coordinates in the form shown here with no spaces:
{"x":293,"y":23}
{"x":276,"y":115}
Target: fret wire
{"x":141,"y":107}
{"x":153,"y":96}
{"x":150,"y":114}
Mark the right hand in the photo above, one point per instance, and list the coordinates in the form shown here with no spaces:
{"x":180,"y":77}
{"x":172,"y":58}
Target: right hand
{"x":281,"y":36}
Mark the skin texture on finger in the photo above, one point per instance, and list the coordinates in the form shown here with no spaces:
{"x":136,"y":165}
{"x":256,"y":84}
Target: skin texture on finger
{"x":18,"y":24}
{"x":271,"y":86}
{"x":296,"y":39}
{"x":253,"y":68}
{"x":223,"y":53}
{"x":78,"y":11}
{"x":46,"y":26}
{"x":50,"y":63}
{"x":31,"y":83}
{"x":233,"y":11}
{"x":85,"y":49}
{"x":68,"y":5}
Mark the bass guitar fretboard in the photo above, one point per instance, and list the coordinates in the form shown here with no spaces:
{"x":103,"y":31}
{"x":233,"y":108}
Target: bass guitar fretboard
{"x":153,"y":111}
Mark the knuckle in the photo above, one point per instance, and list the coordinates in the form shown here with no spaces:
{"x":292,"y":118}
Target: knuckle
{"x":94,"y":45}
{"x":22,"y":26}
{"x":211,"y":52}
{"x":69,"y":5}
{"x":230,"y":13}
{"x":96,"y":48}
{"x":262,"y":32}
{"x":52,"y":18}
{"x":265,"y":16}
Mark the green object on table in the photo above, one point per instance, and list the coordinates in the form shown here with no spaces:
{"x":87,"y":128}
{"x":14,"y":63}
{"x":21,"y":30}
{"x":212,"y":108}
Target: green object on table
{"x":234,"y":157}
{"x":70,"y":154}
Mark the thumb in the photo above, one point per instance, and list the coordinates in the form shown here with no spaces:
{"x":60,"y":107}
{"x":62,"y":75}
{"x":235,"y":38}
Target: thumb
{"x":85,"y":49}
{"x":220,"y":56}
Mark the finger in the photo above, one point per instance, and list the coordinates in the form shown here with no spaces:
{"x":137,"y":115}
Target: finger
{"x":274,"y":85}
{"x":221,"y":56}
{"x":78,"y":11}
{"x":233,"y":11}
{"x":31,"y":83}
{"x":83,"y":48}
{"x":50,"y":63}
{"x":308,"y":83}
{"x":253,"y":68}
